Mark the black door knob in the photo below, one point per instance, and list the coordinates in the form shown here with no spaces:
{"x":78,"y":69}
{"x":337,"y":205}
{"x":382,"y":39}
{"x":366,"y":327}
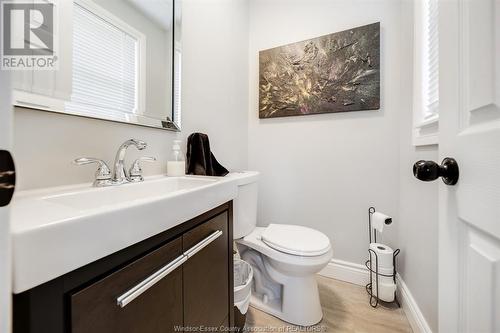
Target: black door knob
{"x":7,"y":177}
{"x":429,"y":170}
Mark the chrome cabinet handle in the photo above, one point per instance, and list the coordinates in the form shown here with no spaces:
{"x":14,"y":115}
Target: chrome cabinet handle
{"x":150,"y":281}
{"x":202,"y":244}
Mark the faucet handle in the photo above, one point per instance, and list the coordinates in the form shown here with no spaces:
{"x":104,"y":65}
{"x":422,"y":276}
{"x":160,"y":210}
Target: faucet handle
{"x":103,"y":173}
{"x":135,"y":172}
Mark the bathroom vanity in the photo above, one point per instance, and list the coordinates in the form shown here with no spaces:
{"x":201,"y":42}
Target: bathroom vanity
{"x":180,"y":275}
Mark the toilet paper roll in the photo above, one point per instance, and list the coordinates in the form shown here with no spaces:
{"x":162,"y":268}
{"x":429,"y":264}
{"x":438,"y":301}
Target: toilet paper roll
{"x":385,"y":291}
{"x":386,"y":271}
{"x":379,"y":220}
{"x":384,"y":257}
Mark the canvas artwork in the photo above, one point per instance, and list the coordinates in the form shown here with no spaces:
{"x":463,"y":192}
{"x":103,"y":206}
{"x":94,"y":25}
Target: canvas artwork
{"x":339,"y":72}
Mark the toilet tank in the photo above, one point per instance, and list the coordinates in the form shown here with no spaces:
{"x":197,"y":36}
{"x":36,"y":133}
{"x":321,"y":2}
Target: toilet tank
{"x":245,"y":204}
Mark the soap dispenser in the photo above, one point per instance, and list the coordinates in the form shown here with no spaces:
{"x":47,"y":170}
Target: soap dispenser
{"x":176,"y":165}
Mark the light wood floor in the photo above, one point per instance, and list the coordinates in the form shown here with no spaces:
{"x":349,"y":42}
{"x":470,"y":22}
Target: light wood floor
{"x":345,"y":309}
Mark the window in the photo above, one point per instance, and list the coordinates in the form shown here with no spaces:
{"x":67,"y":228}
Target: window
{"x":106,"y":73}
{"x":431,"y":59}
{"x":177,"y":83}
{"x":426,"y":73}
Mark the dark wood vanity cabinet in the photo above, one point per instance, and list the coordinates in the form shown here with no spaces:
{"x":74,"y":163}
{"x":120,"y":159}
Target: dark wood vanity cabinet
{"x":180,"y":278}
{"x":205,"y":289}
{"x":95,"y":309}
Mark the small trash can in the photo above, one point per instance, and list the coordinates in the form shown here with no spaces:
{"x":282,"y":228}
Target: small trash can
{"x":243,"y":276}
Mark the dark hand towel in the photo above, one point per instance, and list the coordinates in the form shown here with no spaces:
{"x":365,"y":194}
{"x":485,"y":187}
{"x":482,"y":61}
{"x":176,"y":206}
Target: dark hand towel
{"x":200,"y":160}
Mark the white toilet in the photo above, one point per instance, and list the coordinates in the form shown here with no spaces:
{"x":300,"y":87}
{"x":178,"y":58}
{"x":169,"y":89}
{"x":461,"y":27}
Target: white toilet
{"x":284,"y":258}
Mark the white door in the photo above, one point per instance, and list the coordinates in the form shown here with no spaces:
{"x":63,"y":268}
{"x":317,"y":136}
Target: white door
{"x":6,"y":183}
{"x":469,"y":223}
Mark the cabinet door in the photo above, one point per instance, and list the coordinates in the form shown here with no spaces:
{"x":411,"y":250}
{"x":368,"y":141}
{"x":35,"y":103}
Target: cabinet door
{"x":156,"y":308}
{"x":206,"y":275}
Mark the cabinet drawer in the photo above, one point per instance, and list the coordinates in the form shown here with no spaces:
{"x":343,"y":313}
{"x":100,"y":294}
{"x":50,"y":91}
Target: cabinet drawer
{"x":206,"y":275}
{"x":157,"y":308}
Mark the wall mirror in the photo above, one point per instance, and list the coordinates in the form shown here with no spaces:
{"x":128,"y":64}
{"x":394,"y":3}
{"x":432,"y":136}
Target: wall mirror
{"x":118,"y":60}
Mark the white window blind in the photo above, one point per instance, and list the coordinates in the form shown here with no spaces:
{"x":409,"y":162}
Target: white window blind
{"x":431,"y":60}
{"x":105,"y":66}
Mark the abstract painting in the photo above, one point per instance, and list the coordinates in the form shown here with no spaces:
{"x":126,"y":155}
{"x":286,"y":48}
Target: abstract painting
{"x":339,"y":72}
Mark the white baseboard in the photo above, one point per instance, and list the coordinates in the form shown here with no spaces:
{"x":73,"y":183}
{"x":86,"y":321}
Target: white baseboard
{"x":359,"y":275}
{"x":410,"y":307}
{"x":346,"y":271}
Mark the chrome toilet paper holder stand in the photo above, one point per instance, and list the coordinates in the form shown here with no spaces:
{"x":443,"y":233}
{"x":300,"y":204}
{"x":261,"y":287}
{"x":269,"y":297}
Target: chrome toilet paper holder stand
{"x":374,"y":300}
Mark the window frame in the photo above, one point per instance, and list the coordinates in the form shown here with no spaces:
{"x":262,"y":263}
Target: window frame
{"x":425,"y":131}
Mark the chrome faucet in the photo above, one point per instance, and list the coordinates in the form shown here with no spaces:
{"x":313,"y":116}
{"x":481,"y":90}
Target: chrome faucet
{"x":120,"y":175}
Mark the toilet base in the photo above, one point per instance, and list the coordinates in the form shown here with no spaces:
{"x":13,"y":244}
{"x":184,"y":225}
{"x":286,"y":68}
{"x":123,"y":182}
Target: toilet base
{"x":294,"y":299}
{"x":284,"y":285}
{"x":299,"y":303}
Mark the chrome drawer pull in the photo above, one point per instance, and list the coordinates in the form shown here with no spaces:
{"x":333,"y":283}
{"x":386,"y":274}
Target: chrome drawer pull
{"x":202,"y":244}
{"x":150,"y":281}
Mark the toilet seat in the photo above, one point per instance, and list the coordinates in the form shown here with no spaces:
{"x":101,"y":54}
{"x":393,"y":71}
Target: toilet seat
{"x":254,"y":241}
{"x":296,"y":240}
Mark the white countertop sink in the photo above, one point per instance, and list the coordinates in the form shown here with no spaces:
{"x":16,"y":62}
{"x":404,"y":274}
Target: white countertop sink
{"x":57,"y":230}
{"x":92,"y":198}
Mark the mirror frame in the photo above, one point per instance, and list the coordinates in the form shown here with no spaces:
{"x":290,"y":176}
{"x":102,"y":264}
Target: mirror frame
{"x":177,"y":65}
{"x":44,"y":103}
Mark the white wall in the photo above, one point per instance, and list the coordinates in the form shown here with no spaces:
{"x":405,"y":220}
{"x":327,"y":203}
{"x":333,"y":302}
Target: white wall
{"x":418,"y":208}
{"x":324,"y":171}
{"x":215,"y":76}
{"x":215,"y":94}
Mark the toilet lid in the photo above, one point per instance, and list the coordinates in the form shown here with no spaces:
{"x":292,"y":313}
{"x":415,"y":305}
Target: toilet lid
{"x":296,"y":240}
